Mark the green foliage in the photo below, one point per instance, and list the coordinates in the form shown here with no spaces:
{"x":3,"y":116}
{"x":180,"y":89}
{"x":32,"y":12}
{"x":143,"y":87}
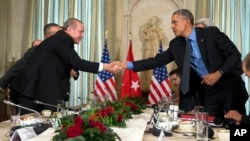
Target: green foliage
{"x":94,"y":124}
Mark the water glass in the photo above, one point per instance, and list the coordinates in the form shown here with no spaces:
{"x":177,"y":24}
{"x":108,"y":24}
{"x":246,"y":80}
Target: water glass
{"x":14,"y":116}
{"x":60,"y":105}
{"x":198,"y":109}
{"x":201,"y":119}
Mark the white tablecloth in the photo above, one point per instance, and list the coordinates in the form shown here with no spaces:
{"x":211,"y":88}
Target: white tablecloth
{"x":133,"y":132}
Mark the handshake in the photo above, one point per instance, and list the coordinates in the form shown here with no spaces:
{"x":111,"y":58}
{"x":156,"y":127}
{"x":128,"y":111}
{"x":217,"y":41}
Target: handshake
{"x":114,"y":67}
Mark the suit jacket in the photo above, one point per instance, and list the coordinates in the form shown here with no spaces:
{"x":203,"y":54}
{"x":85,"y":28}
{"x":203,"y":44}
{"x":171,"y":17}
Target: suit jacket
{"x":217,"y":51}
{"x":10,"y":74}
{"x":45,"y":76}
{"x":245,"y":119}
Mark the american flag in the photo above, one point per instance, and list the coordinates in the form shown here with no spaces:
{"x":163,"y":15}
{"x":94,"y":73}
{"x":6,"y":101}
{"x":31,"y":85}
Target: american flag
{"x":105,"y":81}
{"x":160,"y":84}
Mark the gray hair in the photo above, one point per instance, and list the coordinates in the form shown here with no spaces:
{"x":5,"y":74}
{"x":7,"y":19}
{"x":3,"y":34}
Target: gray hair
{"x":71,"y":22}
{"x":186,"y":14}
{"x":206,"y":22}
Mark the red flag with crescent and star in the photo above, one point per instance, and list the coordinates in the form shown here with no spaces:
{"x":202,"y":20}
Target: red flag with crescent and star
{"x":130,"y":82}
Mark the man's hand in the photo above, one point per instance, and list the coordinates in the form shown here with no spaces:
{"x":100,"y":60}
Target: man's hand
{"x":113,"y":68}
{"x":233,"y":114}
{"x":123,"y":65}
{"x":73,"y":73}
{"x":212,"y":78}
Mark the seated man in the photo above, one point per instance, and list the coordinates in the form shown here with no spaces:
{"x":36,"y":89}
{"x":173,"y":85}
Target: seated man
{"x":175,"y":77}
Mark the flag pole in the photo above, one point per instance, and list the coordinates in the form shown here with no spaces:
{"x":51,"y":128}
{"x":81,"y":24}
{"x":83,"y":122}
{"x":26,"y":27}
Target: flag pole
{"x":161,"y":36}
{"x":106,"y":36}
{"x":130,"y":35}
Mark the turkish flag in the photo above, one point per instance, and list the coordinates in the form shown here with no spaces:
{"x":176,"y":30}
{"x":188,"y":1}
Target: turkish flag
{"x":130,"y":82}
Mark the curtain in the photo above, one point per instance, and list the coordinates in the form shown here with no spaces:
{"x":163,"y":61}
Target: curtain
{"x":232,"y":18}
{"x":3,"y":36}
{"x":91,"y":12}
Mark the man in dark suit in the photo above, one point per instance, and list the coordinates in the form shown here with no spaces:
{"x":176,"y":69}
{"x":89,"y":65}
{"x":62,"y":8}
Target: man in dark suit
{"x":215,"y":66}
{"x":45,"y":76}
{"x":49,"y":30}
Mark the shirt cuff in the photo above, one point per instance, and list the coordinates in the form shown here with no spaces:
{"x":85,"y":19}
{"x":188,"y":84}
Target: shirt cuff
{"x":130,"y":65}
{"x":100,"y":67}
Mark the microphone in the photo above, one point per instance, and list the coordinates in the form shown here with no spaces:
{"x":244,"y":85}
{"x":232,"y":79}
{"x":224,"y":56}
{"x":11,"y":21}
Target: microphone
{"x":38,"y":127}
{"x":17,"y":105}
{"x":42,"y":103}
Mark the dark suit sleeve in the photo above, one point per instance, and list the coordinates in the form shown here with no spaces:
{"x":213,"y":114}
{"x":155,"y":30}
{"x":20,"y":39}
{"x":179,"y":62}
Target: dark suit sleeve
{"x":245,"y":119}
{"x":76,"y":77}
{"x":65,"y":50}
{"x":154,"y":62}
{"x":229,"y":51}
{"x":10,"y":74}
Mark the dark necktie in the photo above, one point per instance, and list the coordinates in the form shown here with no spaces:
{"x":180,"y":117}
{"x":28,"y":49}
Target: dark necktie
{"x":186,"y":69}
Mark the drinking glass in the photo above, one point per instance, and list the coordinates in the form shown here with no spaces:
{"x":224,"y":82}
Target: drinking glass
{"x":201,"y":119}
{"x":14,"y":116}
{"x":198,"y":109}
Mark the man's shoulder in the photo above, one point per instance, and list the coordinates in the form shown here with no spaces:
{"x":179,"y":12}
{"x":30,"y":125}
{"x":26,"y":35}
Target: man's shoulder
{"x":177,"y":40}
{"x":207,"y":29}
{"x":60,"y":37}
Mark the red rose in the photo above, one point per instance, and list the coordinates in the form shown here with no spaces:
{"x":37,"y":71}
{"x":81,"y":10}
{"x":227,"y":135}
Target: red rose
{"x":131,"y":105}
{"x":63,"y":126}
{"x":98,"y":125}
{"x":119,"y":117}
{"x":74,"y":131}
{"x":78,"y":121}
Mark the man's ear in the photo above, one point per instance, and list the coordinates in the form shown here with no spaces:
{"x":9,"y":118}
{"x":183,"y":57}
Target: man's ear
{"x":68,"y":30}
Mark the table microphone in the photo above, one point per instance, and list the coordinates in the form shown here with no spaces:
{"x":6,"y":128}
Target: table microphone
{"x":42,"y":103}
{"x":17,"y":105}
{"x":38,"y":127}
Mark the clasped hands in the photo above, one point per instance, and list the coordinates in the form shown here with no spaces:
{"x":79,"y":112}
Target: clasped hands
{"x":114,"y":67}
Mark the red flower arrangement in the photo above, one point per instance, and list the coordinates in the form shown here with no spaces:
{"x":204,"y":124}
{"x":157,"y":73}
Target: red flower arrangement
{"x":94,"y":124}
{"x":81,"y":127}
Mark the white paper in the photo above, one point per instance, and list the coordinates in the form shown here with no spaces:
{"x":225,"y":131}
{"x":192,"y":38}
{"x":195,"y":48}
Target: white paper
{"x":161,"y":136}
{"x":23,"y":134}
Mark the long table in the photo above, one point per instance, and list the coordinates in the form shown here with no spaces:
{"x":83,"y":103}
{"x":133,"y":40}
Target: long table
{"x":133,"y":132}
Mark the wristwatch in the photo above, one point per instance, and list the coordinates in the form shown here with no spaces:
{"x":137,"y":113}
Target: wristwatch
{"x":221,"y":72}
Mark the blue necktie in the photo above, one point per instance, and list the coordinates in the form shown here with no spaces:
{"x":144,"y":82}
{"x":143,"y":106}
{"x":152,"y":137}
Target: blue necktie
{"x":186,"y":69}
